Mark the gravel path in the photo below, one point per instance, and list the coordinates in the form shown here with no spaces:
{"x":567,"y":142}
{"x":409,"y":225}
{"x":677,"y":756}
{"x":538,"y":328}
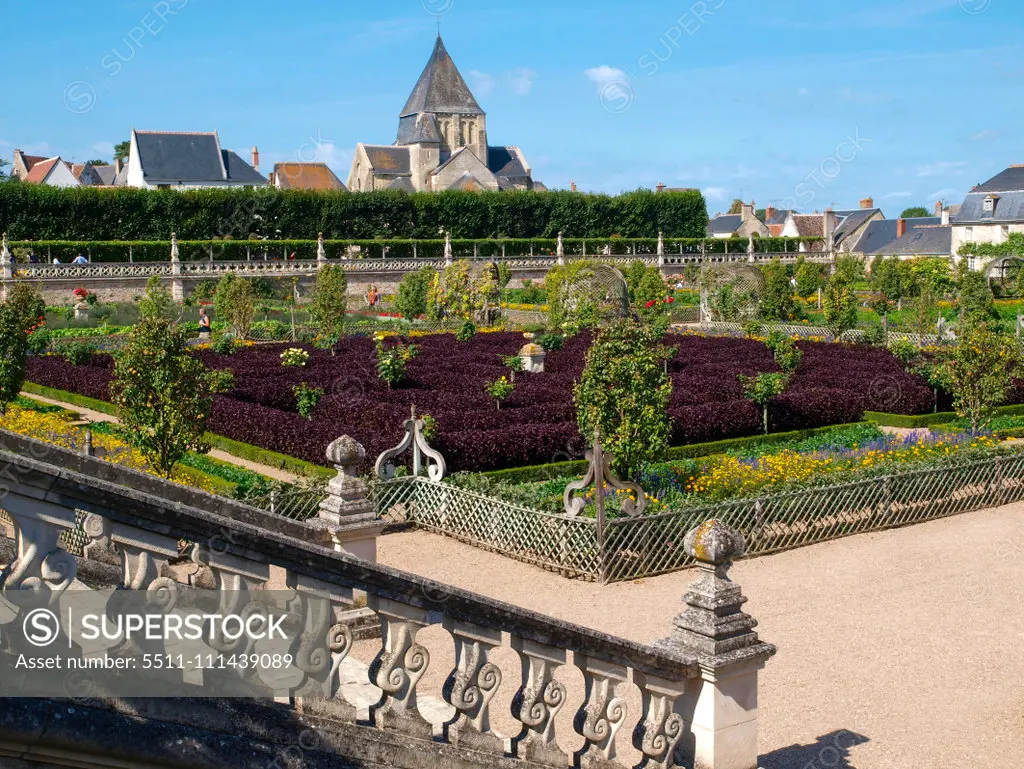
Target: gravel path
{"x":897,"y":649}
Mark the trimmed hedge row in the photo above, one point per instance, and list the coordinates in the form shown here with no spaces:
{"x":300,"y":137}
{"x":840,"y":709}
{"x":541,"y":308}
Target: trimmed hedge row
{"x":485,"y":248}
{"x":90,"y":213}
{"x":234,"y":448}
{"x":675,"y":453}
{"x":928,"y":420}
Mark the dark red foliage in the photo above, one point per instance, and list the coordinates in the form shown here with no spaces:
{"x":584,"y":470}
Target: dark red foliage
{"x":537,"y":424}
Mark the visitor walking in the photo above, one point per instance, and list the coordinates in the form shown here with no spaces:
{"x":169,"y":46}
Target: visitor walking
{"x":80,"y":260}
{"x":204,"y":325}
{"x":56,"y":260}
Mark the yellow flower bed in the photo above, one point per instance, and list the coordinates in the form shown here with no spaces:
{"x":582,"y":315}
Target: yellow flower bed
{"x":56,"y":429}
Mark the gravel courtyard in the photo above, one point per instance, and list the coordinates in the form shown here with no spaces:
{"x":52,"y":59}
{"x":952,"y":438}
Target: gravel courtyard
{"x":897,"y":649}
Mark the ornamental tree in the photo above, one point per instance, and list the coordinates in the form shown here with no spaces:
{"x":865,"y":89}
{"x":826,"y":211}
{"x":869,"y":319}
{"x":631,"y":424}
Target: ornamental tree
{"x":235,"y":304}
{"x":157,"y":301}
{"x":777,"y":295}
{"x":330,"y":301}
{"x":762,"y":388}
{"x":13,"y":348}
{"x":163,"y":392}
{"x":839,"y":305}
{"x":624,"y":390}
{"x":973,"y":296}
{"x":809,"y":278}
{"x":27,"y":305}
{"x":979,"y":372}
{"x":411,"y":301}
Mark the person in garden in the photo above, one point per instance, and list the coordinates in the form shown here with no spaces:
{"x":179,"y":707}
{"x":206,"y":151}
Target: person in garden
{"x":80,"y":260}
{"x":204,"y":325}
{"x":56,"y":260}
{"x":372,"y":296}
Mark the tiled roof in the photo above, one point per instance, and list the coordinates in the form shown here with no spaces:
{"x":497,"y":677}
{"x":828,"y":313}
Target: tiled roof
{"x":31,"y":160}
{"x":725,"y":224}
{"x":851,"y":221}
{"x":106,"y":174}
{"x":506,"y":161}
{"x":1009,"y":207}
{"x":881,"y":233}
{"x":441,"y":88}
{"x":924,"y":240}
{"x":306,"y":176}
{"x":388,"y":159}
{"x":41,"y":170}
{"x":466,"y":182}
{"x":403,"y":183}
{"x":418,"y":129}
{"x":191,"y":157}
{"x":809,"y":225}
{"x":1008,"y":180}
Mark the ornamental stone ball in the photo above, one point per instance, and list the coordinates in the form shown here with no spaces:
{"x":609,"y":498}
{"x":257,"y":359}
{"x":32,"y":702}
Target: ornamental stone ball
{"x":346,"y":452}
{"x":715,"y":543}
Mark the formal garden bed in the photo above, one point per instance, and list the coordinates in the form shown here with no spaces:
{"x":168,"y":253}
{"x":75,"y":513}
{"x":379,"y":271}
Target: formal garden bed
{"x":536,"y":423}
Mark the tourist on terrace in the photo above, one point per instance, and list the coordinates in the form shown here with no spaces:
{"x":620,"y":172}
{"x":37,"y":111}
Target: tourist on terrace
{"x":80,"y":260}
{"x":56,"y":260}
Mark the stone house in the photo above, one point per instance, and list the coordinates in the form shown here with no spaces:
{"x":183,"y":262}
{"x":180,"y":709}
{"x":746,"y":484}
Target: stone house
{"x":305,"y":176}
{"x":741,"y":225}
{"x":991,"y":211}
{"x":53,"y":172}
{"x":442,"y":142}
{"x":851,"y":225}
{"x":185,"y":161}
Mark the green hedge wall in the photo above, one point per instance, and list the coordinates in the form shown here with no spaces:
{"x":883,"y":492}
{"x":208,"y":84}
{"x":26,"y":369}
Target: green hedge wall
{"x":39,"y":212}
{"x":927,"y":420}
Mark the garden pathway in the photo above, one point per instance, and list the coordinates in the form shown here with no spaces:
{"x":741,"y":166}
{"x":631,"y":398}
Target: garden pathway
{"x":90,"y":415}
{"x":898,"y":648}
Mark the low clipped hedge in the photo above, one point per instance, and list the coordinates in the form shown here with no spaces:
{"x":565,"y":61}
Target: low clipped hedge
{"x":690,"y":451}
{"x":928,"y":420}
{"x":227,"y":445}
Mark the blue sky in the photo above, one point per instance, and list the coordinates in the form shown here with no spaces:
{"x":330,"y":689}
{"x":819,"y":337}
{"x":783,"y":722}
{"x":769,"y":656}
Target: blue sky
{"x":809,"y":103}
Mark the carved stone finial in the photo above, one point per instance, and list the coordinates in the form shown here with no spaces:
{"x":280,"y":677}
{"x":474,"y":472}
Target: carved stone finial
{"x":715,"y":543}
{"x":423,"y":456}
{"x":345,"y":453}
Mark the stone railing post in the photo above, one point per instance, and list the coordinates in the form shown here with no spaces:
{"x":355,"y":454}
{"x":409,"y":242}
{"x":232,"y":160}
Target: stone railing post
{"x":346,"y":513}
{"x":321,"y":252}
{"x":177,"y":286}
{"x":6,"y":268}
{"x":448,"y":255}
{"x":661,"y":249}
{"x":560,"y":249}
{"x":714,"y":628}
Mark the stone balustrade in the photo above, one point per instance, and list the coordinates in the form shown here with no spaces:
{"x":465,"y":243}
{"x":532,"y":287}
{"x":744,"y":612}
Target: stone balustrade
{"x":697,"y":687}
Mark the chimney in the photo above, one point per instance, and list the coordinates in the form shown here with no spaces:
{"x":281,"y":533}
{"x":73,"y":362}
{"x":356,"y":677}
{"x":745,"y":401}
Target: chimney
{"x":118,"y":166}
{"x":867,"y":203}
{"x":255,"y":159}
{"x":938,"y":208}
{"x":901,"y":228}
{"x":945,"y":217}
{"x":769,"y":212}
{"x":747,"y":212}
{"x":660,"y":187}
{"x":828,"y":228}
{"x":572,"y":185}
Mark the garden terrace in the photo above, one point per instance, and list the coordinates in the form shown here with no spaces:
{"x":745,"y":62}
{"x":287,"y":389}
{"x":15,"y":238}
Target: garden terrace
{"x":537,"y":424}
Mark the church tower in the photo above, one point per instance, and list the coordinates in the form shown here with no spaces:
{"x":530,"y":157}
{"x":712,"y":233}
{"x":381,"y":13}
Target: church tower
{"x":441,"y":115}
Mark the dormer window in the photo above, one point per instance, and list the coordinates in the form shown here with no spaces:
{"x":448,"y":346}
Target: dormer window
{"x":989,"y":204}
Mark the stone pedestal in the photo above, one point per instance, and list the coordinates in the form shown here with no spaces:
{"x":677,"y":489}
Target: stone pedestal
{"x":81,"y":311}
{"x":532,"y":355}
{"x":715,"y":629}
{"x":346,"y":514}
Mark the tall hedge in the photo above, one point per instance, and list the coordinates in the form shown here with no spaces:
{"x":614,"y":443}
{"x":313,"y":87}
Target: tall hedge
{"x":39,"y":212}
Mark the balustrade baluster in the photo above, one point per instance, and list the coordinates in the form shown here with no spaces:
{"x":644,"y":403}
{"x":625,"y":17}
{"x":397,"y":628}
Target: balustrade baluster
{"x":661,"y":727}
{"x":399,"y":666}
{"x":471,"y":687}
{"x":602,"y":712}
{"x":537,"y":703}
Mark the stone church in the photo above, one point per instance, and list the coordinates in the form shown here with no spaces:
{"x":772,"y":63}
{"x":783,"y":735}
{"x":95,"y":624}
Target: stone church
{"x":442,"y":142}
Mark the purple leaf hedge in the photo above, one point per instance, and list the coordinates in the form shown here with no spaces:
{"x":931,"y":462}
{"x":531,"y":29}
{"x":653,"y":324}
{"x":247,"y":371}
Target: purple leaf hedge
{"x":537,"y":424}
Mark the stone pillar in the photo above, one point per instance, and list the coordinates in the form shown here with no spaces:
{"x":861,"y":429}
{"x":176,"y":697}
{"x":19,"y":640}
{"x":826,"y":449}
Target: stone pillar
{"x":6,"y":268}
{"x":346,"y":514}
{"x":661,"y":249}
{"x":321,"y":252}
{"x":560,"y":250}
{"x":447,"y":249}
{"x":714,"y":628}
{"x":177,"y":287}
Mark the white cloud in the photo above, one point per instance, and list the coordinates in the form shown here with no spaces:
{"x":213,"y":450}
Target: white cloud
{"x":982,"y":136}
{"x":521,"y":80}
{"x":941,"y":194}
{"x":604,"y":76}
{"x":715,"y":193}
{"x":803,"y":92}
{"x":897,"y":195}
{"x":483,"y":84}
{"x":943,"y":168}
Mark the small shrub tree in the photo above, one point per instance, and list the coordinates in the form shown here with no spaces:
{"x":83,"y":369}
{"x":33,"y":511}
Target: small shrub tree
{"x":157,"y":301}
{"x":624,"y":390}
{"x":235,"y":304}
{"x":973,"y":296}
{"x":27,"y":305}
{"x":979,"y":372}
{"x":839,"y":305}
{"x":307,"y":399}
{"x":777,"y":296}
{"x":330,"y":302}
{"x":13,"y":348}
{"x":809,"y":278}
{"x":500,"y":389}
{"x":762,"y":388}
{"x":164,"y":394}
{"x":392,"y":363}
{"x":411,"y":301}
